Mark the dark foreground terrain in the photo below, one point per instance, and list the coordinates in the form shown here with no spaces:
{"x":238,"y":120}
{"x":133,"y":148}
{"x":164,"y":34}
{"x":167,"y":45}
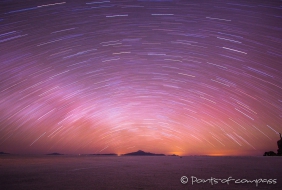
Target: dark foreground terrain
{"x":134,"y":172}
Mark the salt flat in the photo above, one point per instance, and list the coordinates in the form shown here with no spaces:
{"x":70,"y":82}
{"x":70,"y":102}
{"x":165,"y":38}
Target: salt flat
{"x":136,"y":172}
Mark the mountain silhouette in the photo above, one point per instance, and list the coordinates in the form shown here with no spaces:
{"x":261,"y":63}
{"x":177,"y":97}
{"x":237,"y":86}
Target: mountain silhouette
{"x":3,"y":153}
{"x":142,"y":153}
{"x":55,"y":154}
{"x":173,"y":155}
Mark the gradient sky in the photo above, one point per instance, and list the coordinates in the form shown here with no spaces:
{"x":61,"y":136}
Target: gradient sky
{"x":185,"y":77}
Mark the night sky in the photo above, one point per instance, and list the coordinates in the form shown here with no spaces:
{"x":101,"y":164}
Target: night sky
{"x":184,"y":77}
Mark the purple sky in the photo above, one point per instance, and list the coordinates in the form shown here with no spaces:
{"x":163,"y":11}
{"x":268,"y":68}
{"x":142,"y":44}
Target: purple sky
{"x":185,"y":77}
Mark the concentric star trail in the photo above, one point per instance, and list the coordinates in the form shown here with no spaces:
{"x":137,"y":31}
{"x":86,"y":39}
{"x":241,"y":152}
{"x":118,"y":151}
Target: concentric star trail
{"x":184,"y":77}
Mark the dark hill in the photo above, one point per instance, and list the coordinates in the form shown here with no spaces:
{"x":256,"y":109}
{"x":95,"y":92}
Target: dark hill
{"x":55,"y":154}
{"x":142,"y":153}
{"x":3,"y":153}
{"x":174,"y":155}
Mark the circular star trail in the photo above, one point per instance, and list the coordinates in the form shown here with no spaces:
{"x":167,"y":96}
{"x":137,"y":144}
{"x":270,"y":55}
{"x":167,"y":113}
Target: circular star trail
{"x":185,"y":77}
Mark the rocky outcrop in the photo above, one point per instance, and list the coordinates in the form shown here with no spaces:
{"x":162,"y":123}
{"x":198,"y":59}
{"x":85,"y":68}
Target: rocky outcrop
{"x":270,"y":153}
{"x":279,"y":151}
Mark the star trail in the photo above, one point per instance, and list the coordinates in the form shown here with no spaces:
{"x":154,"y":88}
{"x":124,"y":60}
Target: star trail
{"x":184,"y":77}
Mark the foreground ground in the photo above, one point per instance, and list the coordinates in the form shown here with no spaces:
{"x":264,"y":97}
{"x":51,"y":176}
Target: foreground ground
{"x":164,"y":172}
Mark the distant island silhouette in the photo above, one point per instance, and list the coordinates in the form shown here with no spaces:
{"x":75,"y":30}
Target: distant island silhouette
{"x":4,"y":153}
{"x":173,"y":155}
{"x":55,"y":154}
{"x":142,"y":153}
